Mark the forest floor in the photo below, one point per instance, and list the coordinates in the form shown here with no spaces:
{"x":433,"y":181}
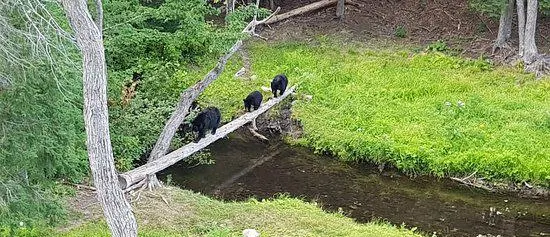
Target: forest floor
{"x":467,"y":32}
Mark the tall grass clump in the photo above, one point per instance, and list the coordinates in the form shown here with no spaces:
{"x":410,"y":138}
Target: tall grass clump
{"x":423,"y":113}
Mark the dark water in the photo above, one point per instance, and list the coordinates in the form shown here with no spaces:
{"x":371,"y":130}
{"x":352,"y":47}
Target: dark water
{"x":247,"y":168}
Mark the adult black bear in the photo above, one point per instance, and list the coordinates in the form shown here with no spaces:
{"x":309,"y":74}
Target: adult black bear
{"x":279,"y":83}
{"x":254,"y":99}
{"x":208,"y":119}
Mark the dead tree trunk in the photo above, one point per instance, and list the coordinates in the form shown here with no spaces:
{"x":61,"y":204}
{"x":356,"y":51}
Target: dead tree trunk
{"x":340,"y":9}
{"x":530,"y":52}
{"x":521,"y":25}
{"x":117,"y":210}
{"x":301,"y":10}
{"x":505,"y":26}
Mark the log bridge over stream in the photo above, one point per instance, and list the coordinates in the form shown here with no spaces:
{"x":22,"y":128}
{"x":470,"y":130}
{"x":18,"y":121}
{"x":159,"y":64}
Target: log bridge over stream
{"x":138,"y":176}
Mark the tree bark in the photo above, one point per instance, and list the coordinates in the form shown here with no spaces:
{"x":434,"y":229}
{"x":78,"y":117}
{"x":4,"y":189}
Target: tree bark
{"x":505,"y":26}
{"x":99,"y":20}
{"x":341,"y":8}
{"x":530,"y":52}
{"x":117,"y":210}
{"x":521,"y":25}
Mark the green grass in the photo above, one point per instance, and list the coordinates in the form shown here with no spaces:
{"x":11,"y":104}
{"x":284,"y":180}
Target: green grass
{"x":191,"y":214}
{"x":399,"y":107}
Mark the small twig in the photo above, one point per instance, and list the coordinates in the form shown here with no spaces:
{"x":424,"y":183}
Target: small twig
{"x":163,"y":199}
{"x":80,"y":186}
{"x":473,"y":184}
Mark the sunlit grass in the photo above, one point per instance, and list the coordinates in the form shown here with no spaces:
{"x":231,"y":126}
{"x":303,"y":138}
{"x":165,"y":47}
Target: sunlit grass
{"x":191,"y":214}
{"x":402,"y":108}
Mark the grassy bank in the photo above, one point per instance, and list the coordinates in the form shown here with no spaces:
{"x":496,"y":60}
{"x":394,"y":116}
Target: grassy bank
{"x":191,"y":214}
{"x":423,"y":113}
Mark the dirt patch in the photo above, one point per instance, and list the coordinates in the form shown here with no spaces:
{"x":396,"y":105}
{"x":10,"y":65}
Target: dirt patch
{"x":158,"y":208}
{"x":423,"y":21}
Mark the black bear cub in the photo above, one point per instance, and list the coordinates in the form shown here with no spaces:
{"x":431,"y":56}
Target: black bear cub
{"x":208,"y":119}
{"x":279,"y":83}
{"x":254,"y":99}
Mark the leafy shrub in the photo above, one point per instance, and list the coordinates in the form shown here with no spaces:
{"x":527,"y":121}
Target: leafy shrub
{"x":400,"y":32}
{"x":166,"y":43}
{"x":42,"y":135}
{"x":438,"y":46}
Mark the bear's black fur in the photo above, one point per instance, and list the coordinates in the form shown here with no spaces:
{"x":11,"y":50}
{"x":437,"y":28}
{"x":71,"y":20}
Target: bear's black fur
{"x":279,"y":83}
{"x":208,"y":119}
{"x":254,"y":99}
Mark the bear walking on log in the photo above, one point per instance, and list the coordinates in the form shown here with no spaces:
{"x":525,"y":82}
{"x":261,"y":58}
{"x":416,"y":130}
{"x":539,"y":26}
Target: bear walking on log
{"x":254,"y":99}
{"x":208,"y":119}
{"x":279,"y":83}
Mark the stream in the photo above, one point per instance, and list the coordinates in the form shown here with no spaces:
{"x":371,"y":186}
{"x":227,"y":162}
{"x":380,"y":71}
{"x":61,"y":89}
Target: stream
{"x":246,"y":167}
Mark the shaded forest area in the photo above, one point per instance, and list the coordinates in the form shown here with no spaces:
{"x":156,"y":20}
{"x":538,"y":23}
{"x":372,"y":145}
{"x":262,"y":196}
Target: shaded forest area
{"x":462,"y":27}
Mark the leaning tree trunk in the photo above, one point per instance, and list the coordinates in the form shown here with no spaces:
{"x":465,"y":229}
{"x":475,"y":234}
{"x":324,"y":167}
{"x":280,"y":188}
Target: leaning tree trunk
{"x":521,"y":25}
{"x":505,"y":26}
{"x":186,"y":98}
{"x":340,"y":9}
{"x":117,"y":210}
{"x":530,"y":52}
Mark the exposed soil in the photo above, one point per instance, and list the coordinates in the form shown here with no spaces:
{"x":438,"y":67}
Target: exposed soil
{"x":425,"y":21}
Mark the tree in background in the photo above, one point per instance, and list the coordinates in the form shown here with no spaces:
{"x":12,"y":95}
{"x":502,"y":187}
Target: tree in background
{"x":527,"y":14}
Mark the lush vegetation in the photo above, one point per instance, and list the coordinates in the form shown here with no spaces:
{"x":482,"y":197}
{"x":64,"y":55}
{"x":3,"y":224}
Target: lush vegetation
{"x":165,"y":41}
{"x":191,"y":214}
{"x":421,"y":112}
{"x":41,"y":126}
{"x":42,"y":139}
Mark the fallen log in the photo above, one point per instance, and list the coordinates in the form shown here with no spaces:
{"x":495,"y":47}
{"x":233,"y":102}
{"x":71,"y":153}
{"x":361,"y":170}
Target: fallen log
{"x":300,"y":10}
{"x":139,"y":174}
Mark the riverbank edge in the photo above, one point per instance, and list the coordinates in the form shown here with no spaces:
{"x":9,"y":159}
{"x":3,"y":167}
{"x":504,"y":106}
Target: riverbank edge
{"x":281,"y":121}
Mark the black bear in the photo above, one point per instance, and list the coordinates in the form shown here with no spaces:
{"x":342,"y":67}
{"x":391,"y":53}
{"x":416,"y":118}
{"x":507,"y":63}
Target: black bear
{"x":254,"y":99}
{"x":279,"y":83}
{"x":208,"y":119}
